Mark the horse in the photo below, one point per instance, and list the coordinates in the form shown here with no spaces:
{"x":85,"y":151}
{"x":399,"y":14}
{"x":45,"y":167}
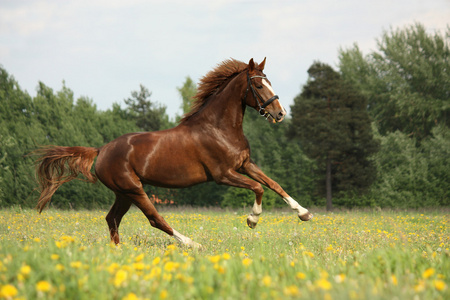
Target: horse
{"x":208,"y":144}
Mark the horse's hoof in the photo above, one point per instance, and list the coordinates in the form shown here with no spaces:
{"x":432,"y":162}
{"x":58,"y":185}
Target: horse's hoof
{"x":252,"y":224}
{"x":306,"y":217}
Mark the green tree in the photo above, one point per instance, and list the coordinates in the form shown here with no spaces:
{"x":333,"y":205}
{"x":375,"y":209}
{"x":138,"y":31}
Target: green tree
{"x":330,"y":119}
{"x":407,"y":81}
{"x":187,"y":93}
{"x":148,"y":115}
{"x":412,"y":176}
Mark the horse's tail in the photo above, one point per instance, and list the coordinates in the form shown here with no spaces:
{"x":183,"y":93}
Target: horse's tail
{"x":57,"y":165}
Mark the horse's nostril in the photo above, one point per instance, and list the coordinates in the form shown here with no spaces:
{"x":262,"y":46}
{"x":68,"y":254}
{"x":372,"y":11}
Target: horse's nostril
{"x":280,"y":115}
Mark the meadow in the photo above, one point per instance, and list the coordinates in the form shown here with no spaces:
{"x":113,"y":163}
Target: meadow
{"x":341,"y":255}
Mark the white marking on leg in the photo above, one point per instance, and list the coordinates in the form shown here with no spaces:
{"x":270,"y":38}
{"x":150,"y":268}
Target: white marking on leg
{"x":254,"y":216}
{"x":295,"y":206}
{"x":185,"y":240}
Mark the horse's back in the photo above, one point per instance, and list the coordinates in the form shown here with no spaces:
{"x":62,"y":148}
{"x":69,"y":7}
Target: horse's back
{"x":166,"y":158}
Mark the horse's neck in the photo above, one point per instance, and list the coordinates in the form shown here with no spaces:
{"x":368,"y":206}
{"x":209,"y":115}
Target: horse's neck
{"x":225,"y":110}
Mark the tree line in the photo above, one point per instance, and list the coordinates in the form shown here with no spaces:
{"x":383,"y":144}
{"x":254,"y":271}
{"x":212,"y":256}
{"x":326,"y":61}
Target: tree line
{"x":374,"y":132}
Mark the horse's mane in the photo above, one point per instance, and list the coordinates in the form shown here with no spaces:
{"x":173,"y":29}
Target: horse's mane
{"x":212,"y":81}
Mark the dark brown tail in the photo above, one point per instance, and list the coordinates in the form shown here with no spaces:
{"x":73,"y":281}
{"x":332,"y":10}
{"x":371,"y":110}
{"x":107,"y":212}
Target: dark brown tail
{"x":58,"y":165}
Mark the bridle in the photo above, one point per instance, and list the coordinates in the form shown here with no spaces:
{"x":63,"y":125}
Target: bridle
{"x":259,"y":100}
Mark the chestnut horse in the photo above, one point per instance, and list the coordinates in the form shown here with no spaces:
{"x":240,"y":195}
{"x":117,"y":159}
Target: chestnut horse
{"x":208,"y":144}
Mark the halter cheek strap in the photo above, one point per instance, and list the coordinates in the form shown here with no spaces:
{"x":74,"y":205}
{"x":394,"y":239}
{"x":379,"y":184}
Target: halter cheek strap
{"x":258,"y":97}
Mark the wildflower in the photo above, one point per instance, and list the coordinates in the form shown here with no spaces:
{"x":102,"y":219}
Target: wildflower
{"x":226,"y":256}
{"x":394,"y":280}
{"x":25,"y":270}
{"x":54,"y":256}
{"x":339,"y":278}
{"x":139,"y":257}
{"x":163,"y":294}
{"x":59,"y":267}
{"x":291,"y":290}
{"x":43,"y":286}
{"x":8,"y":291}
{"x":171,"y":266}
{"x":439,"y":285}
{"x":323,"y":284}
{"x":130,"y":296}
{"x":120,"y":277}
{"x":246,"y":261}
{"x":307,"y":253}
{"x":420,"y":287}
{"x":428,"y":273}
{"x":76,"y":264}
{"x":138,"y":266}
{"x":214,"y":259}
{"x":37,"y":240}
{"x":301,"y":275}
{"x":156,"y":260}
{"x":267,"y":280}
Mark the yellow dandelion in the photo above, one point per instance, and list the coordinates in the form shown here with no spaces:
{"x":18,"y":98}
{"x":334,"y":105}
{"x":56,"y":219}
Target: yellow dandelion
{"x":171,"y":266}
{"x":43,"y":286}
{"x":59,"y":267}
{"x":130,"y":296}
{"x":246,"y":261}
{"x":267,"y":280}
{"x":54,"y":256}
{"x":156,"y":260}
{"x":113,"y":267}
{"x":428,"y":273}
{"x":291,"y":290}
{"x":214,"y":259}
{"x":25,"y":270}
{"x":439,"y":285}
{"x":340,"y":278}
{"x":139,"y":258}
{"x":138,"y":266}
{"x":120,"y":277}
{"x":8,"y":291}
{"x":394,"y":280}
{"x":226,"y":256}
{"x":301,"y":275}
{"x":307,"y":253}
{"x":163,"y":294}
{"x":323,"y":284}
{"x":76,"y":264}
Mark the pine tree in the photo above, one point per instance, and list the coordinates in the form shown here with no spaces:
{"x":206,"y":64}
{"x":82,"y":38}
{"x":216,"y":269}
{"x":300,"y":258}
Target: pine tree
{"x":332,"y":124}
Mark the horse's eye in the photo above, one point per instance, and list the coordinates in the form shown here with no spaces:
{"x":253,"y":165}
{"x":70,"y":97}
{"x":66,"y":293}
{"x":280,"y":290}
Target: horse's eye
{"x":259,"y":87}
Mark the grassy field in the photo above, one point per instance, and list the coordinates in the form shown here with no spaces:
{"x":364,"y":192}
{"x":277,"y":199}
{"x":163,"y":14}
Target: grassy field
{"x":343,"y":255}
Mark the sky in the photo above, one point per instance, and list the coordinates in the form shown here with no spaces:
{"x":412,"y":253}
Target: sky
{"x":105,"y":49}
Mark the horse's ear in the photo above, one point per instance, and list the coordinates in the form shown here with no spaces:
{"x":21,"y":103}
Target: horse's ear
{"x":261,"y":65}
{"x":251,"y":65}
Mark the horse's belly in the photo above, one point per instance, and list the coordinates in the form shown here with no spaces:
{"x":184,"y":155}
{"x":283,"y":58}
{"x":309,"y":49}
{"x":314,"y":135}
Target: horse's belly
{"x":172,"y":173}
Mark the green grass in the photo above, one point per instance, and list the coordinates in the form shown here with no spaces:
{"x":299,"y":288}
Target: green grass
{"x":343,"y":255}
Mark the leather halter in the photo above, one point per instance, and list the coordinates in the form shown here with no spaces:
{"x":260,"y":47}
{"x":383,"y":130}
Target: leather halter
{"x":259,"y":100}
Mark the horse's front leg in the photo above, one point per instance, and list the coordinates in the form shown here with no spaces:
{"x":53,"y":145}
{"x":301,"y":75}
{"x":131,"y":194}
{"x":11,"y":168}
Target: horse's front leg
{"x":233,"y":178}
{"x":255,"y":173}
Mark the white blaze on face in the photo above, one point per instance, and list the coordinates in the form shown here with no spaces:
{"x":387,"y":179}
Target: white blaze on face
{"x":269,"y":87}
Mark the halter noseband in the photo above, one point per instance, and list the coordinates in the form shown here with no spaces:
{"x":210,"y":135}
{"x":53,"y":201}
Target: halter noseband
{"x":258,"y":97}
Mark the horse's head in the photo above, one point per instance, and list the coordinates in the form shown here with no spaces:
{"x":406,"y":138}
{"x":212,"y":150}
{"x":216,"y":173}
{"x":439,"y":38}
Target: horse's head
{"x":263,"y":97}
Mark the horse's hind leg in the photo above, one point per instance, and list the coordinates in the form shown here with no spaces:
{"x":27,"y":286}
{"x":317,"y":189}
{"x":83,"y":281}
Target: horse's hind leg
{"x":141,"y":200}
{"x":117,"y":211}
